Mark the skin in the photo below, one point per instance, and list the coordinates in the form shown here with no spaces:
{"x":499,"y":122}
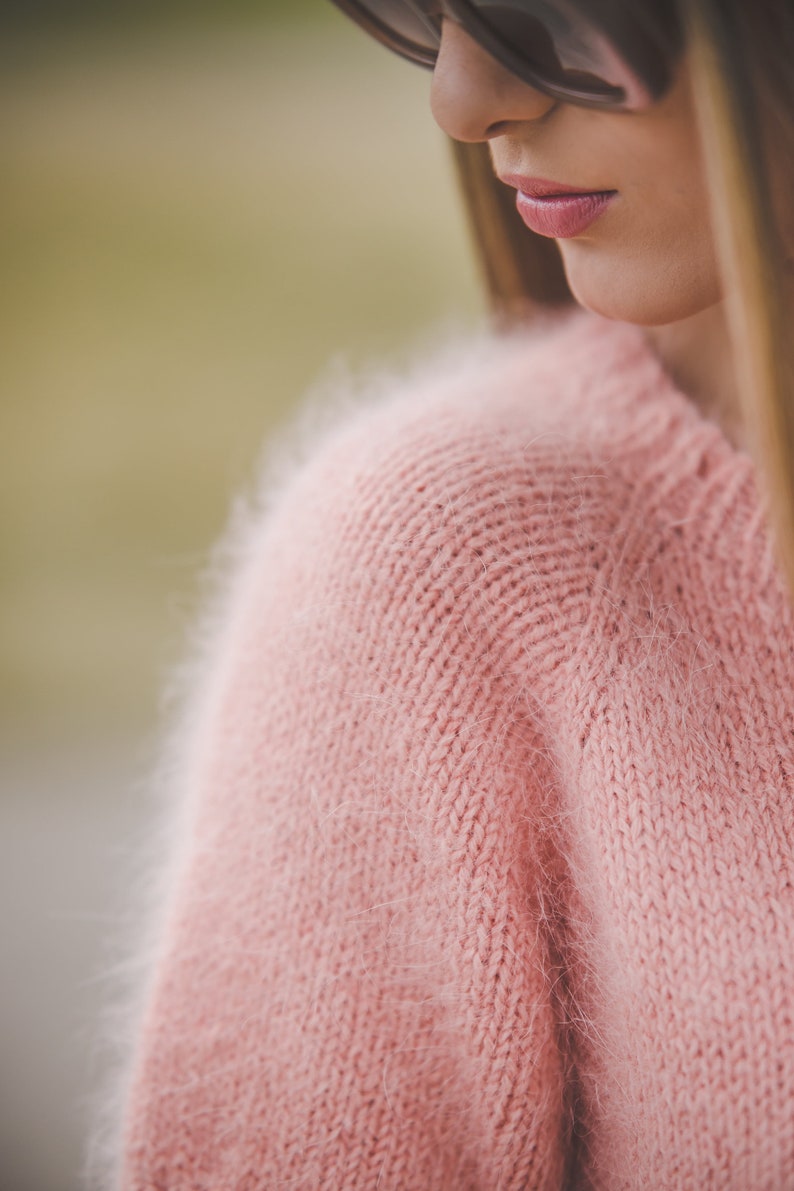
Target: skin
{"x":650,"y":258}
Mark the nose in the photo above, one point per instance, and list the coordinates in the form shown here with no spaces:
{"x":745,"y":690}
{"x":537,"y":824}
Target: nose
{"x":473,"y":97}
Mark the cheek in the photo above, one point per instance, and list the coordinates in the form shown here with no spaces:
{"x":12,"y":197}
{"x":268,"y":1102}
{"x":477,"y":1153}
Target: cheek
{"x":650,"y":259}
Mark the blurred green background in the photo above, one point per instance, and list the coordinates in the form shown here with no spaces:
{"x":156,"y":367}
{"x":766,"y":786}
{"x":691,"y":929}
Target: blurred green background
{"x":204,"y":209}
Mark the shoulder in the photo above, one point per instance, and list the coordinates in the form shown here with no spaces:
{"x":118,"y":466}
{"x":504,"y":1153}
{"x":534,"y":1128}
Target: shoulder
{"x":482,"y":422}
{"x":474,"y":484}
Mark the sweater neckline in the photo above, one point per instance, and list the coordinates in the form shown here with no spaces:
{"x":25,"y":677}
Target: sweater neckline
{"x":707,"y":487}
{"x":631,"y":348}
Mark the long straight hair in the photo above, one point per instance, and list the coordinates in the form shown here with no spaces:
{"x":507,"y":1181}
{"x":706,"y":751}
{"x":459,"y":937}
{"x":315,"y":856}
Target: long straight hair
{"x":741,"y":59}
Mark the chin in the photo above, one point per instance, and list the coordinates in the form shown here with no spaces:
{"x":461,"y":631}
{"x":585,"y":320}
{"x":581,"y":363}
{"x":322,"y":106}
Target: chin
{"x":649,"y":296}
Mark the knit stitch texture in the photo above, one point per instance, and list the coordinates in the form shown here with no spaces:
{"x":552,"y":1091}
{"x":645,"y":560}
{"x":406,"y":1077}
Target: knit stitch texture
{"x":487,"y":879}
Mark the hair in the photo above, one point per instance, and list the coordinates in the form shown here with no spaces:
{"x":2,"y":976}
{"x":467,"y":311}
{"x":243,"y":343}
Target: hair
{"x":741,"y":57}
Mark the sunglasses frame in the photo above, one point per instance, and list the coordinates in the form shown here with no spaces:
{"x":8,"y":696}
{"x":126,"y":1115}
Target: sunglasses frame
{"x":613,"y":98}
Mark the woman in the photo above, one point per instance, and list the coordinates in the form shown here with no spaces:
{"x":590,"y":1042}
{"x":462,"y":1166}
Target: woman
{"x":487,"y":878}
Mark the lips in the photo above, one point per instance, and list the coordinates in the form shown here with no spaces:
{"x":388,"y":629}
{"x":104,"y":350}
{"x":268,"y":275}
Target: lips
{"x":555,"y":209}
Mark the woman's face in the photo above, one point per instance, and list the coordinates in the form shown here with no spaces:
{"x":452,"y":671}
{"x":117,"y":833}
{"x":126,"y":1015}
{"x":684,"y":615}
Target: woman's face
{"x":648,"y":257}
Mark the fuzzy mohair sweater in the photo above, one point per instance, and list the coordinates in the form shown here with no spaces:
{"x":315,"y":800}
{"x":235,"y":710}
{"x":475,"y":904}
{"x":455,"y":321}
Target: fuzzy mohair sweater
{"x":487,"y":874}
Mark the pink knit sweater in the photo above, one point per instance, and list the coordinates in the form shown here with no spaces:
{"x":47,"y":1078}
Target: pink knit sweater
{"x":488,"y":881}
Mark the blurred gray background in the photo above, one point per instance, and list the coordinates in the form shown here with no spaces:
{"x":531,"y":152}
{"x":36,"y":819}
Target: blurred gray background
{"x":204,"y":206}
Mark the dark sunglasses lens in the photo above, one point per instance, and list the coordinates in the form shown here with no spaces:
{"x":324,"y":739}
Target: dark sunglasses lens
{"x":558,"y":45}
{"x":549,"y":43}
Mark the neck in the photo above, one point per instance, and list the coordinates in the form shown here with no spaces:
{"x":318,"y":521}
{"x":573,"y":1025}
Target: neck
{"x":696,"y":352}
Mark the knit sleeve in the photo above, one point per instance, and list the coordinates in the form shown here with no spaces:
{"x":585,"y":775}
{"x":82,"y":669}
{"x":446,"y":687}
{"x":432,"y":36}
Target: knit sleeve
{"x":355,"y":986}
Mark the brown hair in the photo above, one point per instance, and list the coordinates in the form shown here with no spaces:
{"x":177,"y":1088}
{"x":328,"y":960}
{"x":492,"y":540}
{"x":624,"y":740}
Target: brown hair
{"x":744,"y":84}
{"x":521,"y":270}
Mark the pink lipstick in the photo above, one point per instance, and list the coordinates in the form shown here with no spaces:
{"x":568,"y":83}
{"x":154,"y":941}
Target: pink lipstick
{"x":556,"y":210}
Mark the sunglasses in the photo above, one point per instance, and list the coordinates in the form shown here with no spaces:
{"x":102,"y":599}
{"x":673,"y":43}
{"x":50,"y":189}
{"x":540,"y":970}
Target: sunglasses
{"x":616,"y":54}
